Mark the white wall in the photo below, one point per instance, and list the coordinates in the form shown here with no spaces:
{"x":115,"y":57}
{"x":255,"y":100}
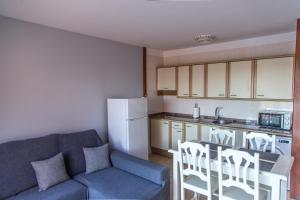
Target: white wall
{"x":274,"y":45}
{"x":154,"y":59}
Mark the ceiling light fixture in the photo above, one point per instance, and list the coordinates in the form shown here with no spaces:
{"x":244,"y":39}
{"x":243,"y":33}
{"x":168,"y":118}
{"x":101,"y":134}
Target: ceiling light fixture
{"x":205,"y":38}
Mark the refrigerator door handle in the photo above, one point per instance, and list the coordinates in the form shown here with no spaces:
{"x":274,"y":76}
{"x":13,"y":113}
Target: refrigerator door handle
{"x":137,"y":118}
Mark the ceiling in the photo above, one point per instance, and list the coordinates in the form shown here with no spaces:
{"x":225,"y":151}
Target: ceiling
{"x":160,"y":24}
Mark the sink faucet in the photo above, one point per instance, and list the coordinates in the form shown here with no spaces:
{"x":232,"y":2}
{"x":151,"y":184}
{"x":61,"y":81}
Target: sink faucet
{"x":217,"y":112}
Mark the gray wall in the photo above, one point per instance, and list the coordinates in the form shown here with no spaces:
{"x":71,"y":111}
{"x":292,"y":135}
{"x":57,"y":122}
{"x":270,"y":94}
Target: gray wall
{"x":53,"y":81}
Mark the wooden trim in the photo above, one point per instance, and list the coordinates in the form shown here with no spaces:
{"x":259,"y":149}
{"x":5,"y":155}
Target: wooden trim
{"x":228,"y":76}
{"x":205,"y":80}
{"x":161,"y":152}
{"x":295,"y":174}
{"x":144,"y":71}
{"x":190,"y":80}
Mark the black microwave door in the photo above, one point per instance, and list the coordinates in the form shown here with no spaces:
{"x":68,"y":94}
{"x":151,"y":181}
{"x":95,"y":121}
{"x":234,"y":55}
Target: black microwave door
{"x":275,"y":120}
{"x":264,"y":119}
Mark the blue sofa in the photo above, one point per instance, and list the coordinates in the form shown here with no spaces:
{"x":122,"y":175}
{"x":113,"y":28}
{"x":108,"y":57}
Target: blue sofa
{"x":127,"y":178}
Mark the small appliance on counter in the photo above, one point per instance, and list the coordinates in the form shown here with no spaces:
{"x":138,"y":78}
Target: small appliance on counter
{"x":196,"y":111}
{"x":275,"y":119}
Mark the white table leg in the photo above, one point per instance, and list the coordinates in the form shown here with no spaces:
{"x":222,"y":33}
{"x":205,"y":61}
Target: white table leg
{"x":283,"y":190}
{"x":176,"y":190}
{"x":275,"y":188}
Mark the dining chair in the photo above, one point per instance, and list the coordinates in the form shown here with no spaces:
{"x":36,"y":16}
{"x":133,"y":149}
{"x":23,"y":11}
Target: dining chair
{"x":194,"y":167}
{"x":235,"y":184}
{"x":221,"y":136}
{"x":259,"y":141}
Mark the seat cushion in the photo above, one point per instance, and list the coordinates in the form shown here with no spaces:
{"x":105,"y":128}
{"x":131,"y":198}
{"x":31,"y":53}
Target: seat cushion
{"x":193,"y":182}
{"x":113,"y":183}
{"x":237,"y":193}
{"x":16,"y":172}
{"x":69,"y":190}
{"x":71,"y":145}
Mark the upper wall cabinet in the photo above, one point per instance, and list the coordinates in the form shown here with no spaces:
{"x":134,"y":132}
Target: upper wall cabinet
{"x":240,"y":79}
{"x":183,"y":81}
{"x":216,"y":80}
{"x":198,"y":81}
{"x":166,"y":78}
{"x":275,"y":78}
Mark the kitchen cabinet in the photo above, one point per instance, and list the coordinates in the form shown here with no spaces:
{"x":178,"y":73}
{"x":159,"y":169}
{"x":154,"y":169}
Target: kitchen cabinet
{"x":166,"y":78}
{"x":177,"y":133}
{"x":240,"y":79}
{"x":183,"y":81}
{"x":216,"y":80}
{"x":191,"y":132}
{"x":160,"y":134}
{"x":205,"y":130}
{"x":274,"y":78}
{"x":198,"y":81}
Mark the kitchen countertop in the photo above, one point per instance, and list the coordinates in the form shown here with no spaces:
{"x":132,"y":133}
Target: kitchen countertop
{"x":237,"y":124}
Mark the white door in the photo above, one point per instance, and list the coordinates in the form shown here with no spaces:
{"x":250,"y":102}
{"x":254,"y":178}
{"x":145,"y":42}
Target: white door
{"x":137,"y":108}
{"x":275,"y":78}
{"x":183,"y":81}
{"x":191,"y":132}
{"x":138,"y":137}
{"x":166,"y":78}
{"x":205,"y":133}
{"x":160,"y":134}
{"x":198,"y":81}
{"x":240,"y":79}
{"x":216,"y":80}
{"x":177,"y":134}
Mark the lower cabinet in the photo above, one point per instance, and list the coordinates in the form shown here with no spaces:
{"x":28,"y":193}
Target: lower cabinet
{"x":160,"y":134}
{"x":192,"y":132}
{"x":205,"y":133}
{"x":177,"y":133}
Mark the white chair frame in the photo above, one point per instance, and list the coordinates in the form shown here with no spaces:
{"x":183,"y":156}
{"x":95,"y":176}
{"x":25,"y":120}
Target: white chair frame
{"x":238,"y":175}
{"x":222,"y":136}
{"x":193,"y":154}
{"x":259,"y":141}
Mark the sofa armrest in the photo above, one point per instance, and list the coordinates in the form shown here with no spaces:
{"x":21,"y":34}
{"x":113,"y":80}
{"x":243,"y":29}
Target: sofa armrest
{"x":156,"y":173}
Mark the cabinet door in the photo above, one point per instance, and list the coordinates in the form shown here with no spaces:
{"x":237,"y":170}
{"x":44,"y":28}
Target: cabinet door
{"x":166,"y":78}
{"x":177,"y":134}
{"x":183,"y":81}
{"x":275,"y":78}
{"x":160,"y":134}
{"x":205,"y":133}
{"x":216,"y":80}
{"x":191,"y":132}
{"x":198,"y":81}
{"x":240,"y":79}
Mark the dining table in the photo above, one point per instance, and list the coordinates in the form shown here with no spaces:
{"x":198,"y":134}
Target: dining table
{"x":274,"y":169}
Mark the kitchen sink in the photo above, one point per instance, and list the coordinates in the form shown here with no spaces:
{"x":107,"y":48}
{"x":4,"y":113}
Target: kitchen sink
{"x":222,"y":121}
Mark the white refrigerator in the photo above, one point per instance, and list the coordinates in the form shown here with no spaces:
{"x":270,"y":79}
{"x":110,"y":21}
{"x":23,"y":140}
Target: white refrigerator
{"x":128,"y":125}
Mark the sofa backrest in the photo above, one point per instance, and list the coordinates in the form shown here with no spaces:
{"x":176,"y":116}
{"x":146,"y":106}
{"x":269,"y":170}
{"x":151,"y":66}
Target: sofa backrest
{"x":16,"y":173}
{"x":72,"y":147}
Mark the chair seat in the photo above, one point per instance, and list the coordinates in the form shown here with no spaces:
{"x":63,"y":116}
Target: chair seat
{"x":193,"y":183}
{"x":232,"y":193}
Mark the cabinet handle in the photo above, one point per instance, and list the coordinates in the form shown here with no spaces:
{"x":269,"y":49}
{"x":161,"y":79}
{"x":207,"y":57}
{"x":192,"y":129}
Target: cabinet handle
{"x":195,"y":94}
{"x":185,"y":95}
{"x":221,"y":95}
{"x":166,"y":123}
{"x":166,"y":88}
{"x":233,"y":95}
{"x":260,"y":95}
{"x":188,"y":126}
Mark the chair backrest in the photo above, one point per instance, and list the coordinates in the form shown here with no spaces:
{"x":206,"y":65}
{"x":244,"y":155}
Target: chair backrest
{"x":222,"y":136}
{"x":259,"y":141}
{"x":238,"y":163}
{"x":196,"y":158}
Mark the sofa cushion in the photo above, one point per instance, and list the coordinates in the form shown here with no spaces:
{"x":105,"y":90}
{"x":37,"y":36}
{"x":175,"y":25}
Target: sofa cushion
{"x":50,"y":172}
{"x":113,"y":183}
{"x":71,"y":145}
{"x":96,"y":158}
{"x":16,"y":172}
{"x":69,"y":190}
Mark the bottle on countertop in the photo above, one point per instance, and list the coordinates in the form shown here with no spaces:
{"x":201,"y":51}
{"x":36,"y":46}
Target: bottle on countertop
{"x":196,"y":111}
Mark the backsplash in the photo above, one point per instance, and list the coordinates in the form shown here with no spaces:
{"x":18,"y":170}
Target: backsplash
{"x":239,"y":109}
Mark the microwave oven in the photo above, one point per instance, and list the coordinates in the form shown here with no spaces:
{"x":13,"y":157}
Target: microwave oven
{"x":275,"y":119}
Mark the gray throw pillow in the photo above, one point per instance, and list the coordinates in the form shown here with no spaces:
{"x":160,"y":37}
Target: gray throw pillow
{"x":96,"y":158}
{"x":50,"y":172}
